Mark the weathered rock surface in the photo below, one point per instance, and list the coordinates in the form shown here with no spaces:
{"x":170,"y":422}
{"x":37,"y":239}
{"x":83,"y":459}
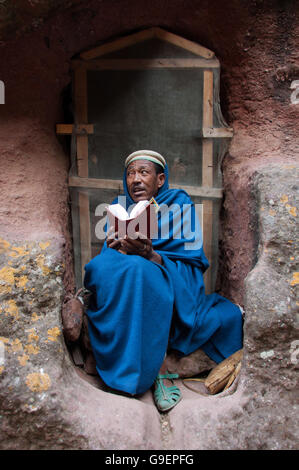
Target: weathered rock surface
{"x":263,"y":411}
{"x":72,"y":318}
{"x":45,"y":404}
{"x":191,"y":365}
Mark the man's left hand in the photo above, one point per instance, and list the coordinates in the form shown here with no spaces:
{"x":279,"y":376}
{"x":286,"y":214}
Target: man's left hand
{"x":141,"y":246}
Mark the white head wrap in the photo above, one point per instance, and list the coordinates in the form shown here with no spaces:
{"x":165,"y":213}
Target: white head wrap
{"x":145,"y":155}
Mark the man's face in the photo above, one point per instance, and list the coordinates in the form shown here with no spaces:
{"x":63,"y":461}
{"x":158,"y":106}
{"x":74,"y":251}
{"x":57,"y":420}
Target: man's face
{"x":142,"y":180}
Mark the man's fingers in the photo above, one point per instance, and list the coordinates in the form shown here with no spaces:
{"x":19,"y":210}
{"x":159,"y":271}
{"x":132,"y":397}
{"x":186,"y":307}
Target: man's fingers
{"x":110,"y":231}
{"x":112,"y":236}
{"x":114,"y":244}
{"x":112,"y":240}
{"x":135,"y":244}
{"x":144,"y":240}
{"x":140,"y":236}
{"x":130,"y":246}
{"x":138,"y":247}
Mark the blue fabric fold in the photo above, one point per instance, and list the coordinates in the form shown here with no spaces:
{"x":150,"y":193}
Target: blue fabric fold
{"x":139,"y":308}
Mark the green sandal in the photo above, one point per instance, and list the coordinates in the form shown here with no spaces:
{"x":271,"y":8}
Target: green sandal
{"x":166,"y":397}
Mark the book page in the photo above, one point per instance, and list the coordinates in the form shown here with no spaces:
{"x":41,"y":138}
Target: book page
{"x":118,"y":211}
{"x":138,"y":208}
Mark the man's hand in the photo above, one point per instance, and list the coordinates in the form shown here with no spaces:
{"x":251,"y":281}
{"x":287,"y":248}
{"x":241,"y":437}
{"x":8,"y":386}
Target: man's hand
{"x":141,"y":246}
{"x":112,"y":240}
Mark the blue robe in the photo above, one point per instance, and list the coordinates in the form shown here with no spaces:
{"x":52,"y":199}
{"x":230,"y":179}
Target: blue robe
{"x":140,"y":308}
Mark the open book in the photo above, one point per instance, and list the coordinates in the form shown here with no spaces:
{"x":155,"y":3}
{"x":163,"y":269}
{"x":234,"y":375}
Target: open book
{"x":142,"y":218}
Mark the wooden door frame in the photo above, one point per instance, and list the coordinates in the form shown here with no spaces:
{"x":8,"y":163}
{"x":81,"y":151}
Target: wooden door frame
{"x":91,"y":60}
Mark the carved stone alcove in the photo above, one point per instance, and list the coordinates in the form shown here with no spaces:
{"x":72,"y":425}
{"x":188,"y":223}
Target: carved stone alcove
{"x":45,"y":404}
{"x":152,"y":89}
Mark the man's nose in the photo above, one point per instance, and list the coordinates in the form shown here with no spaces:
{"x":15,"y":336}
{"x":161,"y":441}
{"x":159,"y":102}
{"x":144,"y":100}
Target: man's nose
{"x":137,"y":178}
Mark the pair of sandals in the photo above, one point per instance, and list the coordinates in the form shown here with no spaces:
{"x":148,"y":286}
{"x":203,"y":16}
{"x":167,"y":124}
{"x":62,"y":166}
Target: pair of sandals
{"x":166,"y":397}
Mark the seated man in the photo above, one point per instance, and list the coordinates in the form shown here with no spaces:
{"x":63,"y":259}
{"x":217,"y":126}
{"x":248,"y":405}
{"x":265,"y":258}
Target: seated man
{"x":149,"y":295}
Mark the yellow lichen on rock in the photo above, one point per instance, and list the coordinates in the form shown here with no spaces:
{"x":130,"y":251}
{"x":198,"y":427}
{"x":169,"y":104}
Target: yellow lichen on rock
{"x":16,"y":345}
{"x":44,"y":245}
{"x":284,"y":198}
{"x":12,"y":345}
{"x":40,"y":261}
{"x":291,"y":209}
{"x":23,"y":359}
{"x":4,"y":339}
{"x":7,"y":274}
{"x":5,"y":289}
{"x":32,"y":335}
{"x":9,"y":278}
{"x":18,"y":251}
{"x":35,"y":317}
{"x":31,"y":348}
{"x":21,"y":282}
{"x":11,"y":308}
{"x":4,"y":246}
{"x":53,"y":333}
{"x":295,"y":279}
{"x":38,"y":381}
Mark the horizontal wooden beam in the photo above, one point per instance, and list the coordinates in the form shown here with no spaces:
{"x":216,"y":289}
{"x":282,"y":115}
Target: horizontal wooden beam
{"x":217,"y":132}
{"x":81,"y":129}
{"x":200,"y":191}
{"x":141,"y":64}
{"x":97,"y":183}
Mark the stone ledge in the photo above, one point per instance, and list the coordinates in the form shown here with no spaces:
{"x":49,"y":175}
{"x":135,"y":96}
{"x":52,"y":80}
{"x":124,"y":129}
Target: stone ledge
{"x":262,"y":413}
{"x":44,"y":403}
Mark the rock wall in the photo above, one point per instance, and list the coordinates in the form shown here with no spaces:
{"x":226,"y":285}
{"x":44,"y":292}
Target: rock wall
{"x":262,"y":411}
{"x":44,"y":403}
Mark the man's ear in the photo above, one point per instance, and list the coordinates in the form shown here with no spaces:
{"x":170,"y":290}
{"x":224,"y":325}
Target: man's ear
{"x":161,"y":179}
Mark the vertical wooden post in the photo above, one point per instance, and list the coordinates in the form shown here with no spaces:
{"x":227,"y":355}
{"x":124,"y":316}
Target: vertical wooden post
{"x":80,"y":90}
{"x":207,"y":171}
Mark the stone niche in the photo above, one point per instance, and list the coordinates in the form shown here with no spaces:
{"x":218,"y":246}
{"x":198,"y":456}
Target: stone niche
{"x":48,"y":403}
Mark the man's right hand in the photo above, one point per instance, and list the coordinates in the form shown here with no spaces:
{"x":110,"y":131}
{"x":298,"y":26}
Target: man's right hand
{"x":112,"y":240}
